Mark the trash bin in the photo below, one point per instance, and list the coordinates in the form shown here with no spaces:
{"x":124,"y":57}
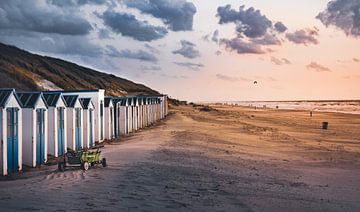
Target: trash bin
{"x":325,"y":125}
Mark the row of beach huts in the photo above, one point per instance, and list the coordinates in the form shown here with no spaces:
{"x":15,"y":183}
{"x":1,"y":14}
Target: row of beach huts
{"x":37,"y":124}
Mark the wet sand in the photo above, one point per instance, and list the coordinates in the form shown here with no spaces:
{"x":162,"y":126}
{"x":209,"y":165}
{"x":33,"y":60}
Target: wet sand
{"x":228,"y":159}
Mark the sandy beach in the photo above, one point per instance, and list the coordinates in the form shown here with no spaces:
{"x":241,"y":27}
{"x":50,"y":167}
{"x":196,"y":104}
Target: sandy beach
{"x":226,"y":159}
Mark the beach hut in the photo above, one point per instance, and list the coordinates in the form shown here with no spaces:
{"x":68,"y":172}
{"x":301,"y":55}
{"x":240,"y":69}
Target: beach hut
{"x":88,"y":119}
{"x":141,"y":112}
{"x":147,"y":111}
{"x":57,"y":125}
{"x":124,"y":116}
{"x":35,"y":128}
{"x":136,"y":113}
{"x":119,"y":116}
{"x":116,"y":104}
{"x":74,"y":113}
{"x":109,"y":118}
{"x":130,"y":113}
{"x":10,"y":132}
{"x":97,"y":97}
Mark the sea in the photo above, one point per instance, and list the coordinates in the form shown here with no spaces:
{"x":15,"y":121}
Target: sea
{"x":342,"y":106}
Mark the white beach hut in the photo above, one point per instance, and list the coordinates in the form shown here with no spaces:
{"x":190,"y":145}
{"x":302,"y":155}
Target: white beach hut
{"x":74,"y":113}
{"x":97,"y":97}
{"x":130,"y":113}
{"x":124,"y":116}
{"x":88,"y":119}
{"x":35,"y":128}
{"x":109,"y":118}
{"x":57,"y":123}
{"x":136,"y":113}
{"x":10,"y":132}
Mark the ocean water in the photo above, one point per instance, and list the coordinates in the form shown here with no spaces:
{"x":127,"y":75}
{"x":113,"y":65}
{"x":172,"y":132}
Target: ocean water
{"x":352,"y":106}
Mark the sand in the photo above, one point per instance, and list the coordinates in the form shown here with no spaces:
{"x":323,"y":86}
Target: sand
{"x":229,"y":159}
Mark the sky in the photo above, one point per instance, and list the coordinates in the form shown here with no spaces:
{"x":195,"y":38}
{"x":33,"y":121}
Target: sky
{"x":201,"y":50}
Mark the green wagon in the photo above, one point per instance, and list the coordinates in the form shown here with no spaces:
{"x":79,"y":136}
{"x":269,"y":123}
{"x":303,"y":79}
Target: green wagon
{"x":84,"y":159}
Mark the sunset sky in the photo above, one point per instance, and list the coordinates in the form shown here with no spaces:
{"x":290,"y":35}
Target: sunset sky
{"x":200,"y":50}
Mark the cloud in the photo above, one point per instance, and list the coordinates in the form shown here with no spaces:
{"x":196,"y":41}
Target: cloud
{"x":136,"y":55}
{"x":218,"y":52}
{"x":187,"y":50}
{"x":253,"y":29}
{"x":52,"y":43}
{"x":280,"y":27}
{"x":226,"y":78}
{"x":215,"y":36}
{"x":304,"y":36}
{"x":281,"y":61}
{"x":152,"y":49}
{"x":242,"y":47}
{"x":249,"y":22}
{"x":127,"y":25}
{"x":72,"y":3}
{"x":343,"y":14}
{"x":177,"y":14}
{"x":267,"y":40}
{"x":317,"y":67}
{"x":104,"y":34}
{"x":151,"y":68}
{"x":191,"y":66}
{"x":33,"y":16}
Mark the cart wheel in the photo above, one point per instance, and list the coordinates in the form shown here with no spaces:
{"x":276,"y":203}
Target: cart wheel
{"x":103,"y":162}
{"x":86,"y":166}
{"x":61,"y":166}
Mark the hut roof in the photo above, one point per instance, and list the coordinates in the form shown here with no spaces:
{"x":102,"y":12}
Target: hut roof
{"x":70,"y":100}
{"x":85,"y":102}
{"x":29,"y":99}
{"x":51,"y":98}
{"x":4,"y":96}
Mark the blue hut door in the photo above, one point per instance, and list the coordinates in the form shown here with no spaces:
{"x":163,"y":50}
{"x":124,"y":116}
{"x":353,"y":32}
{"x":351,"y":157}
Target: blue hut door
{"x":40,"y":136}
{"x":91,"y":128}
{"x":118,"y":121}
{"x":101,"y":120}
{"x":78,"y":129}
{"x":111,"y":123}
{"x":126,"y":120}
{"x":12,"y":140}
{"x":132,"y":118}
{"x":61,"y":134}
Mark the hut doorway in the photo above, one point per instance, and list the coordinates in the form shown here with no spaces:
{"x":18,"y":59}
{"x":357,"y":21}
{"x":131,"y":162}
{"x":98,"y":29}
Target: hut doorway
{"x":12,"y":139}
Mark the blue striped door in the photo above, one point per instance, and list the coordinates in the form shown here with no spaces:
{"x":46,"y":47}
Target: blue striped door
{"x":126,"y":120}
{"x":101,"y":120}
{"x":91,"y":128}
{"x":40,"y":139}
{"x":78,"y":129}
{"x":61,"y":147}
{"x":12,"y":140}
{"x":111,"y":123}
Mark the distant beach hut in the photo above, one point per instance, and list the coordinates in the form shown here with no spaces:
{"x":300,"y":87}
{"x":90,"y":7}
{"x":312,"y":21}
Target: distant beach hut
{"x":10,"y":132}
{"x":35,"y":128}
{"x":116,"y":103}
{"x":141,"y":112}
{"x":136,"y":113}
{"x":88,"y":119}
{"x":74,"y":112}
{"x":97,"y":97}
{"x":109,"y":118}
{"x":131,"y":115}
{"x":57,"y":124}
{"x":124,"y":116}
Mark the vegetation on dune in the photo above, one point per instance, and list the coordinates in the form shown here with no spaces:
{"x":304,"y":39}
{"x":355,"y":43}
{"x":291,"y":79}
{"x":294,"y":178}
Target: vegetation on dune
{"x":23,"y":70}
